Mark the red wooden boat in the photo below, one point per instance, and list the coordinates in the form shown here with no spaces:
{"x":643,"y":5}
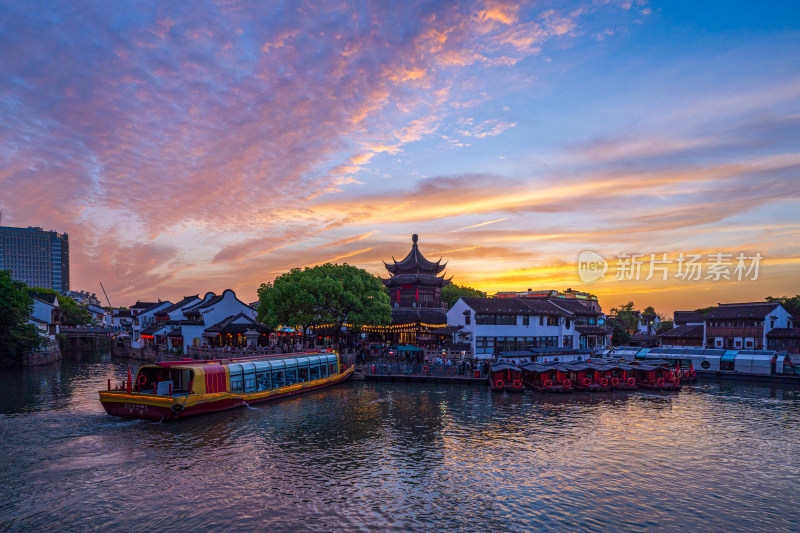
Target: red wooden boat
{"x":546,"y":378}
{"x":587,"y":377}
{"x":655,"y":377}
{"x":682,"y":369}
{"x":505,"y":377}
{"x":617,"y":376}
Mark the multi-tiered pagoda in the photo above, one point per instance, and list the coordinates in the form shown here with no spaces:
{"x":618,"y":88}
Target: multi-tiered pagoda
{"x":415,"y":288}
{"x":415,"y":281}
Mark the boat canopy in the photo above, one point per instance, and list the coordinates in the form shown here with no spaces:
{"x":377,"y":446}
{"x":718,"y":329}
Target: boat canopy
{"x":729,"y":357}
{"x":268,"y":365}
{"x":579,"y":366}
{"x":533,"y":367}
{"x":497,"y":367}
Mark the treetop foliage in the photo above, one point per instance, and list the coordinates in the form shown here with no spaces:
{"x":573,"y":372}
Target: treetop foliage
{"x":16,"y":307}
{"x":324,"y":294}
{"x":452,"y":292}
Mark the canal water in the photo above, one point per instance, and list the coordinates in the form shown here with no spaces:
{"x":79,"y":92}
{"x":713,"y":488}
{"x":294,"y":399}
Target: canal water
{"x":400,"y":457}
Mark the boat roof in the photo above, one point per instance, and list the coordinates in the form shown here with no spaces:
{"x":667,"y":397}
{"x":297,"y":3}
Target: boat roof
{"x":195,"y":363}
{"x":536,"y":367}
{"x":502,"y":366}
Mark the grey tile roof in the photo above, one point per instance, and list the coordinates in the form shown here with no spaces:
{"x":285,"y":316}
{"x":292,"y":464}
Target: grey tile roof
{"x":514,"y":306}
{"x":174,"y":307}
{"x":685,"y":332}
{"x":743,"y":310}
{"x":574,"y":306}
{"x":682,"y":317}
{"x":784,"y":333}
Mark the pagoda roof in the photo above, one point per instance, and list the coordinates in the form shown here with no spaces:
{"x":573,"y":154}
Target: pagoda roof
{"x":414,"y":262}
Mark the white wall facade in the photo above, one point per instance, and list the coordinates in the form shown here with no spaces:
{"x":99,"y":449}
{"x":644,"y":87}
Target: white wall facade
{"x":43,"y":312}
{"x":144,"y":319}
{"x":779,"y":318}
{"x":560,"y":335}
{"x":228,"y":306}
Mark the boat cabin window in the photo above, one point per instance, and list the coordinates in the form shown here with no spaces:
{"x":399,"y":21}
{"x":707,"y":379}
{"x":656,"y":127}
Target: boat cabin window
{"x":262,"y":381}
{"x":250,"y":382}
{"x":323,"y":370}
{"x":291,"y":376}
{"x":314,"y":372}
{"x":148,"y":379}
{"x":181,"y":378}
{"x":236,"y":383}
{"x":303,"y":375}
{"x":278,"y":379}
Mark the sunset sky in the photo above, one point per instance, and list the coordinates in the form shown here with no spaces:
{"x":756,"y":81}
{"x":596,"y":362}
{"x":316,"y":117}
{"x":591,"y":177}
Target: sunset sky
{"x":188,"y":147}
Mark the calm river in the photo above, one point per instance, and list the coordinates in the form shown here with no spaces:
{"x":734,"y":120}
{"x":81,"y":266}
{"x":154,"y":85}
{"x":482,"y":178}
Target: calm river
{"x":400,"y":457}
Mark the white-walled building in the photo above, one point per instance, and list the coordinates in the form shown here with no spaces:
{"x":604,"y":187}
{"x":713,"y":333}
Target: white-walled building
{"x":122,"y":320}
{"x":738,"y":326}
{"x":494,"y":325}
{"x":744,"y":325}
{"x":98,"y":314}
{"x":195,"y":322}
{"x":144,"y":317}
{"x":47,"y":315}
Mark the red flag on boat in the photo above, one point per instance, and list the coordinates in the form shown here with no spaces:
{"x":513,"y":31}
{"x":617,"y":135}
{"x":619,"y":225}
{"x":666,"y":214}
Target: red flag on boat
{"x":130,"y":381}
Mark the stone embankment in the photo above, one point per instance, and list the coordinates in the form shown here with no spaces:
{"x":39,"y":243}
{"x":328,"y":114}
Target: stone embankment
{"x":46,"y":355}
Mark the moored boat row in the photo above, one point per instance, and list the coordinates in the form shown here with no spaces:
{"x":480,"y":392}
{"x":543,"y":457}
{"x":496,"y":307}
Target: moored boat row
{"x":591,"y":376}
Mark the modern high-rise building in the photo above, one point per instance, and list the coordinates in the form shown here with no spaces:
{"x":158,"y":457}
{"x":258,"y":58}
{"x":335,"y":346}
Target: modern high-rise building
{"x":37,"y":257}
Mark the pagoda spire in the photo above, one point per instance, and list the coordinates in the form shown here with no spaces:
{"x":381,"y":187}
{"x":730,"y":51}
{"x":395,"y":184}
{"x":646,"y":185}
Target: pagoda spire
{"x":415,"y":262}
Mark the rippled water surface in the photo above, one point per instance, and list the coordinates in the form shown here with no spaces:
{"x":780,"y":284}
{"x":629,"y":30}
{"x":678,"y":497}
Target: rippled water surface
{"x":389,"y":456}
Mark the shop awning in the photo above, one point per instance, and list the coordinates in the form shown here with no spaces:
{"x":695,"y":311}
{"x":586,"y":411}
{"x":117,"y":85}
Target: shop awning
{"x":408,"y":348}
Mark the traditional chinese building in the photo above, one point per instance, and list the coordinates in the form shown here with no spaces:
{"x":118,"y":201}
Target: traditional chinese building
{"x":415,"y":282}
{"x":415,"y":289}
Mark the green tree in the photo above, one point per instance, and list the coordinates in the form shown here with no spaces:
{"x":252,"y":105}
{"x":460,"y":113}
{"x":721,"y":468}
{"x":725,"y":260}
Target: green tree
{"x":626,"y":316}
{"x":620,"y":335}
{"x":74,"y":315}
{"x":324,"y":294}
{"x":664,"y":325}
{"x":790,"y":303}
{"x":452,"y":292}
{"x":16,"y":306}
{"x":290,"y":300}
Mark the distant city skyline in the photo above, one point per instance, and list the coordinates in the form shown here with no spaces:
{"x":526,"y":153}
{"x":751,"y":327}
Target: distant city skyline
{"x":192,"y":148}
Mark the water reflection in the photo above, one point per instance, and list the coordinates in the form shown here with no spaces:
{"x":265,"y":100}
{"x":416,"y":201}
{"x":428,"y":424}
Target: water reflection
{"x":716,"y":456}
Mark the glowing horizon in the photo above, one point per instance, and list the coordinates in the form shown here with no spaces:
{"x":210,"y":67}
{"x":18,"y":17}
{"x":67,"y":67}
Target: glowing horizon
{"x":195,"y":149}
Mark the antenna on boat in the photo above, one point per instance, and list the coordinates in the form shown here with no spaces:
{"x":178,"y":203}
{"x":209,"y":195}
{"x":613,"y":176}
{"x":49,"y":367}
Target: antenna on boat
{"x":106,"y":295}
